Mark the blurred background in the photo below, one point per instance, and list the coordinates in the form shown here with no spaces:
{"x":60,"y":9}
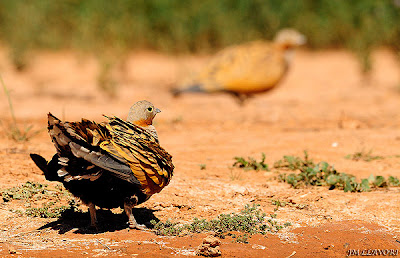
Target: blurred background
{"x":73,"y":52}
{"x":108,"y":29}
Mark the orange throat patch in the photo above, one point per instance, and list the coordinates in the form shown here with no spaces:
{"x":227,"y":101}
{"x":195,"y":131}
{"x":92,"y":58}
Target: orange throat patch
{"x":143,"y":123}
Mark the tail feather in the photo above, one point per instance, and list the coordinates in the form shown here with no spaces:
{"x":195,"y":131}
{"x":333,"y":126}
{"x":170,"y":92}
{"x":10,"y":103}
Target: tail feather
{"x":49,"y":168}
{"x":40,"y":162}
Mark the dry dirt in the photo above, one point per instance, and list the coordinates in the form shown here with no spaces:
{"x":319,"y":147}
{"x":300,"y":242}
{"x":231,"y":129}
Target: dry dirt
{"x":323,"y":106}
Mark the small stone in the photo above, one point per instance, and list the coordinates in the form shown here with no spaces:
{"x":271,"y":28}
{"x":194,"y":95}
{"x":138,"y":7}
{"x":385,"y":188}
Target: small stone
{"x":212,"y":241}
{"x":209,"y":247}
{"x":255,"y":246}
{"x":207,"y":251}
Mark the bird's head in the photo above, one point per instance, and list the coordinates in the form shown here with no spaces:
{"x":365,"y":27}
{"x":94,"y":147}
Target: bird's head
{"x":142,"y":113}
{"x":289,"y":38}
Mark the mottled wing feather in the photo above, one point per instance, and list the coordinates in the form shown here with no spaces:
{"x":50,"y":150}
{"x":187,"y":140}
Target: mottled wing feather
{"x":71,"y":138}
{"x":149,"y":162}
{"x":117,"y":147}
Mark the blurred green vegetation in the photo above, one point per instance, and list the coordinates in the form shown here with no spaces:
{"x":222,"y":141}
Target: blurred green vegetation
{"x":110,"y":28}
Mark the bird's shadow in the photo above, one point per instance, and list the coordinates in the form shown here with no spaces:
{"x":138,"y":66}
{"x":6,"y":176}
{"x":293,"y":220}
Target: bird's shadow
{"x":78,"y":221}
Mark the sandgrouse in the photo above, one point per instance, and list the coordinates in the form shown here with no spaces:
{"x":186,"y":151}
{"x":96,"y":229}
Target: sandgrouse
{"x":111,"y":164}
{"x":246,"y":69}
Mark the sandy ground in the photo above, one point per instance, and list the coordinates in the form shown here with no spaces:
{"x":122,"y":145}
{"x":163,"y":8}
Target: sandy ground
{"x":323,"y":106}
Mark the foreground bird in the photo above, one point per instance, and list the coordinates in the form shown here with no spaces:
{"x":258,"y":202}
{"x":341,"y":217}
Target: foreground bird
{"x":246,"y":69}
{"x":112,"y":164}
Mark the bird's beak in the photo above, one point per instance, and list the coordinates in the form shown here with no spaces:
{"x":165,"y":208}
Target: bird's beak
{"x":157,"y":110}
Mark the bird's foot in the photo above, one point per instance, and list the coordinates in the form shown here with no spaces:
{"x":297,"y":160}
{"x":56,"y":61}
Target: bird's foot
{"x":129,"y":203}
{"x":135,"y":225}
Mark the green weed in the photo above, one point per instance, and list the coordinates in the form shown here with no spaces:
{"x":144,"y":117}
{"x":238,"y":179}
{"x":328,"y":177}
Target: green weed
{"x":24,"y":192}
{"x":324,"y":174}
{"x":48,"y":210}
{"x":279,"y":203}
{"x":242,"y":238}
{"x":293,"y":163}
{"x":393,"y":181}
{"x":363,"y":155}
{"x":251,"y":163}
{"x":30,"y":192}
{"x":249,"y":221}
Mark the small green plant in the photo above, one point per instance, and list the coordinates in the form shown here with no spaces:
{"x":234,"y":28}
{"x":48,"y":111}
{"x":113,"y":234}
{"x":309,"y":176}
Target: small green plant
{"x":294,"y":163}
{"x":167,"y":228}
{"x":278,"y":203}
{"x":33,"y":191}
{"x":242,"y":239}
{"x":51,"y":210}
{"x":323,"y":174}
{"x":249,"y":221}
{"x":203,"y":166}
{"x":24,"y":192}
{"x":393,"y":181}
{"x":13,"y":131}
{"x":251,"y":163}
{"x":377,"y":181}
{"x":363,"y":155}
{"x":48,"y":210}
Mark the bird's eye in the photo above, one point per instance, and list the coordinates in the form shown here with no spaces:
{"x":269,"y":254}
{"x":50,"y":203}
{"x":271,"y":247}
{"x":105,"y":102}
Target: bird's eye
{"x":150,"y":109}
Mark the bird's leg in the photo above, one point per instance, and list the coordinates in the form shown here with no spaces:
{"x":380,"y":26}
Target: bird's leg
{"x":93,"y":218}
{"x":241,"y":98}
{"x":129,"y":203}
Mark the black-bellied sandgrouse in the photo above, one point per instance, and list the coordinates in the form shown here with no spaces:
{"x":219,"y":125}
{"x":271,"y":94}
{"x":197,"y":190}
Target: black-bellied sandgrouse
{"x":111,"y":164}
{"x":246,"y":69}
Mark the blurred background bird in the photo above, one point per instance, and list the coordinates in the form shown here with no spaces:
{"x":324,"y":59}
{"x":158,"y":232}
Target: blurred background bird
{"x":112,"y":164}
{"x":246,"y":69}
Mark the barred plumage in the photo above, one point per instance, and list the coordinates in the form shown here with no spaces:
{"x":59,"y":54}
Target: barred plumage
{"x":111,"y":164}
